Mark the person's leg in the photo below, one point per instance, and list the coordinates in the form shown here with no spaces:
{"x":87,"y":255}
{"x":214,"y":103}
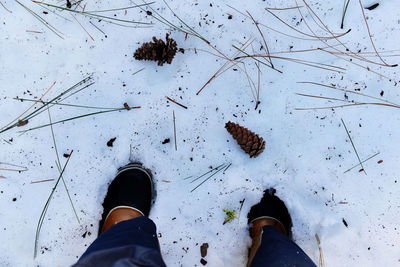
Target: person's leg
{"x":271,"y":230}
{"x":127,"y":237}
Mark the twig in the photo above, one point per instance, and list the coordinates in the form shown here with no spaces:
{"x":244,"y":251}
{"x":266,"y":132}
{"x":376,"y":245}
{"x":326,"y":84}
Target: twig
{"x":362,"y":162}
{"x":354,"y":147}
{"x":173,"y":117}
{"x":173,"y":101}
{"x":42,"y":181}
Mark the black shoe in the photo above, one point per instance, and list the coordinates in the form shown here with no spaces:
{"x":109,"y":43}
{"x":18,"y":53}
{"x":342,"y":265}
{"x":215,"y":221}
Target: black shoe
{"x":132,"y":187}
{"x":271,"y":207}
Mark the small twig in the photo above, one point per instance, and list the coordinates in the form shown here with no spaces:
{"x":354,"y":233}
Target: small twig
{"x":173,"y":101}
{"x":362,"y":162}
{"x":2,"y":177}
{"x":354,"y":147}
{"x":173,"y":117}
{"x":42,"y":181}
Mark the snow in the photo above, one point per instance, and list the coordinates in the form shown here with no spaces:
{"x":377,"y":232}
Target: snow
{"x":305,"y":159}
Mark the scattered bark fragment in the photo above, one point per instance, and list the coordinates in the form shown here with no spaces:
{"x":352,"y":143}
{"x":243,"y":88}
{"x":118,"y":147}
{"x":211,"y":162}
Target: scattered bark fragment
{"x":166,"y":141}
{"x":380,"y":161}
{"x":372,"y":7}
{"x":110,"y":143}
{"x":203,"y":261}
{"x":127,"y":106}
{"x":345,"y":223}
{"x":66,"y":155}
{"x":22,"y":123}
{"x":69,"y":5}
{"x":203,"y":250}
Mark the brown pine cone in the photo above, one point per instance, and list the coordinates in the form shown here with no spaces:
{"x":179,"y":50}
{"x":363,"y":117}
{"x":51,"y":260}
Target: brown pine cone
{"x":158,"y":50}
{"x":250,"y":142}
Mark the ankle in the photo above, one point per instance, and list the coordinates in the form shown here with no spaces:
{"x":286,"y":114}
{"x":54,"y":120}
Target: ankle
{"x":120,"y":214}
{"x":259,"y":223}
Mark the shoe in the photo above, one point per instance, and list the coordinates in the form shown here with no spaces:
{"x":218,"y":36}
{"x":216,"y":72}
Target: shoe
{"x":132,"y":189}
{"x":271,"y":207}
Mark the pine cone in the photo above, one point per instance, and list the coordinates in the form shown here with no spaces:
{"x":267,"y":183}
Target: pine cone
{"x":158,"y":50}
{"x":250,"y":142}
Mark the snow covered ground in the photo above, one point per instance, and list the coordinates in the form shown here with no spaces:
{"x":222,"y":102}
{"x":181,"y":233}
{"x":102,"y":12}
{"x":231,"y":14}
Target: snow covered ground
{"x":306,"y":156}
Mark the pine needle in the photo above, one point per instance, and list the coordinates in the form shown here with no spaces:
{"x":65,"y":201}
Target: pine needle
{"x":321,"y":256}
{"x":73,"y":118}
{"x":173,"y":118}
{"x":59,"y":166}
{"x":43,"y":214}
{"x":362,"y":162}
{"x":215,"y":170}
{"x":354,"y":147}
{"x":345,"y":6}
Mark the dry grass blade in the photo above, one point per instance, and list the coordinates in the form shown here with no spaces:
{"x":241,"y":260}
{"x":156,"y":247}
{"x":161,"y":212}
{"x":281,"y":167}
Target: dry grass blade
{"x":354,"y":147}
{"x":21,"y":168}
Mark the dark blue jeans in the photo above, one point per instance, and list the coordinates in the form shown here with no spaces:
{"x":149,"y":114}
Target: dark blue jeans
{"x":134,"y":243}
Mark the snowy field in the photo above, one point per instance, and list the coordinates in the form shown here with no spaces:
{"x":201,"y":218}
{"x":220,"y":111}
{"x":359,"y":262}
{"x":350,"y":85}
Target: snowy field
{"x":308,"y":152}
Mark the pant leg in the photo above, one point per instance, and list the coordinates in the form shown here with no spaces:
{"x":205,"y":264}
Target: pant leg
{"x":129,"y":243}
{"x":277,"y":250}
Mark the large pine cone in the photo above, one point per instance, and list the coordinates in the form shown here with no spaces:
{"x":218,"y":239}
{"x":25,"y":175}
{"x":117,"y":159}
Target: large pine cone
{"x":250,"y":142}
{"x":158,"y":50}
